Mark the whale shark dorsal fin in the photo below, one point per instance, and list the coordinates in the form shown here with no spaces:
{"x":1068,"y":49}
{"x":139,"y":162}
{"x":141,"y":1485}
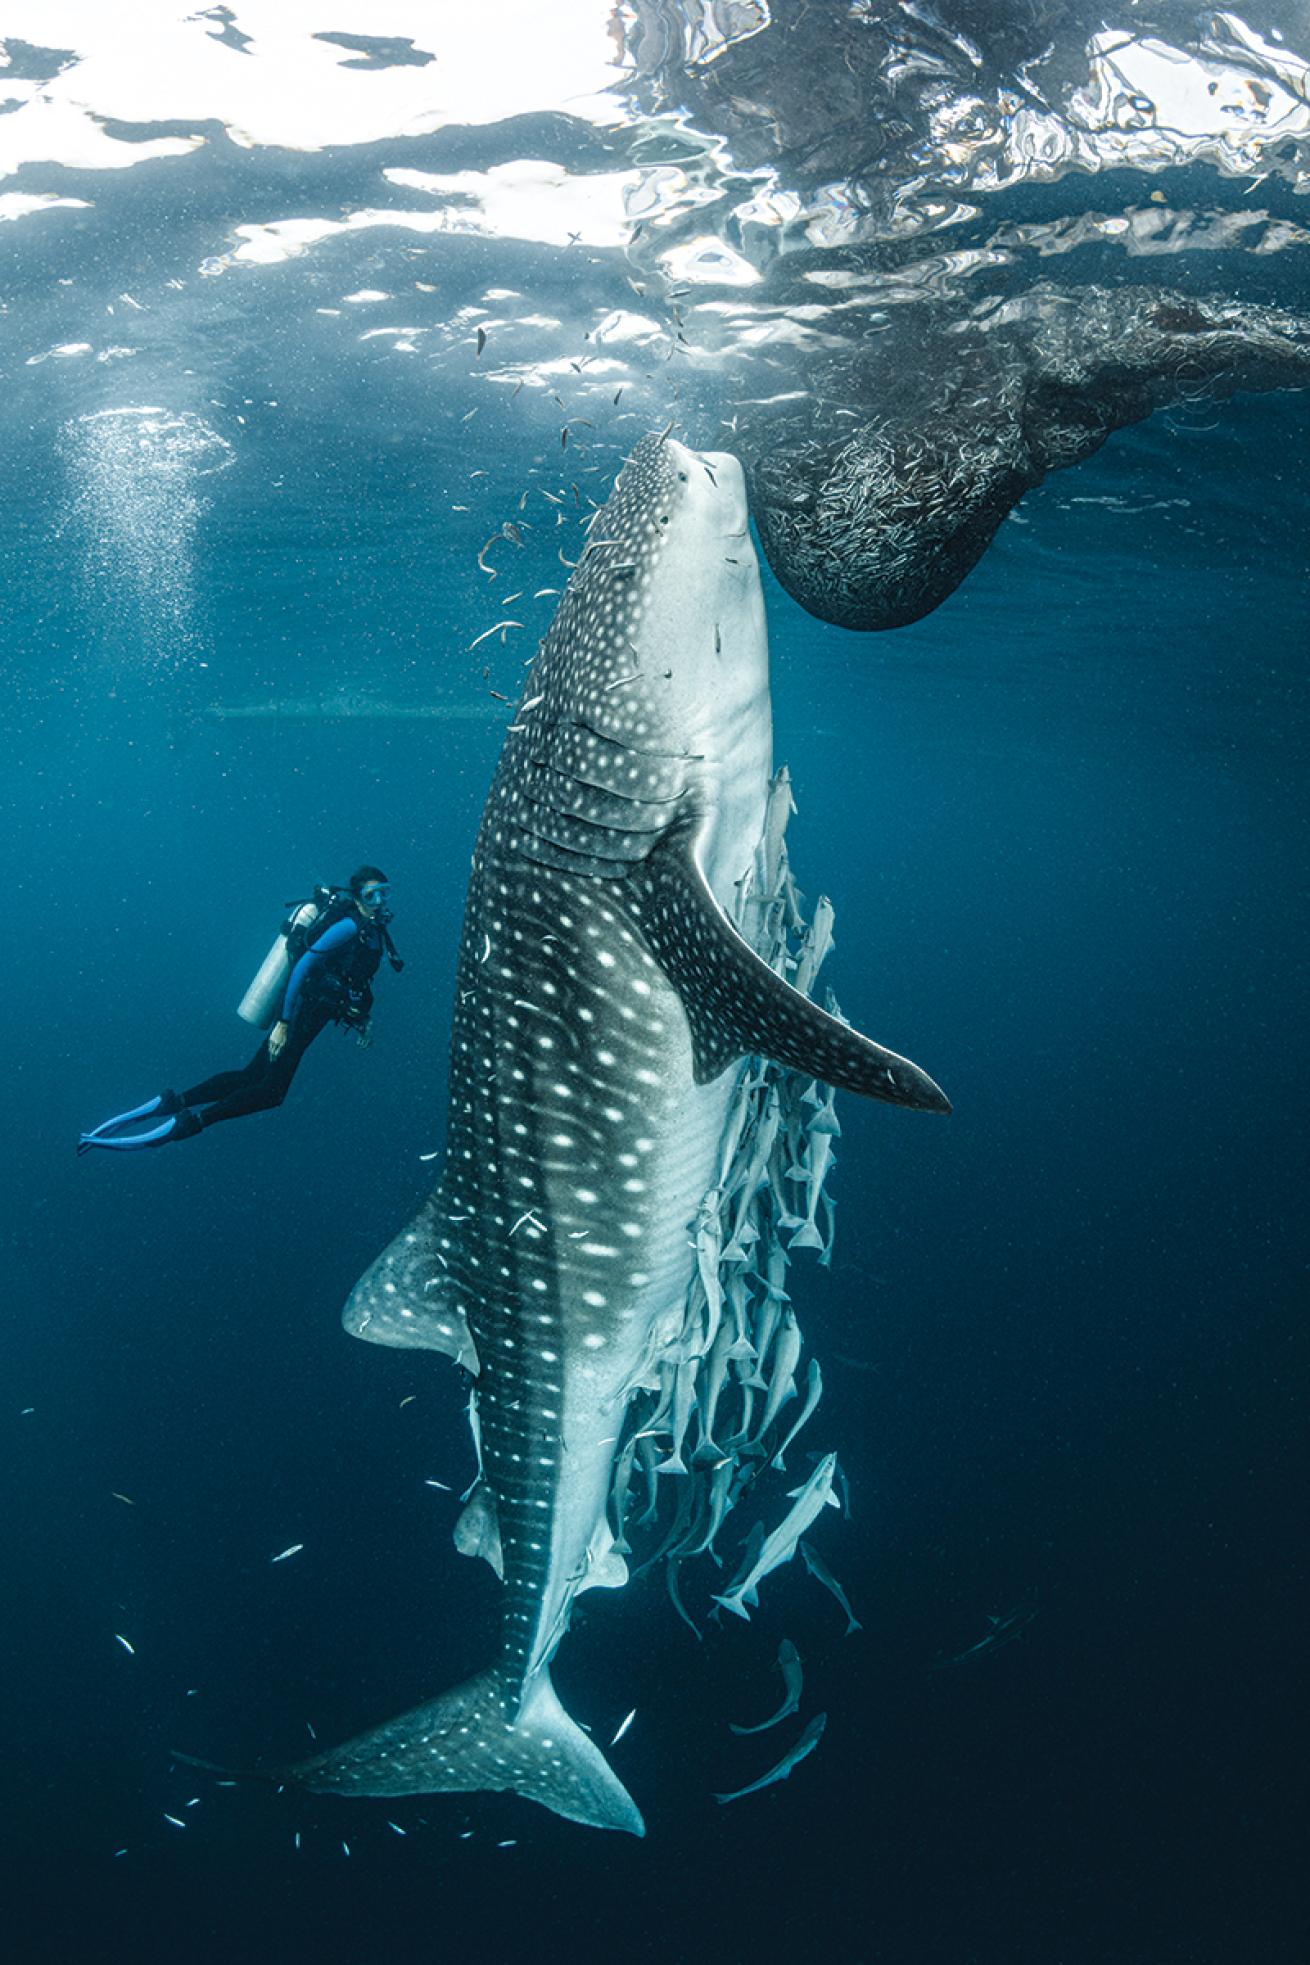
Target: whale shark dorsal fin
{"x":407,"y":1298}
{"x":738,"y":1006}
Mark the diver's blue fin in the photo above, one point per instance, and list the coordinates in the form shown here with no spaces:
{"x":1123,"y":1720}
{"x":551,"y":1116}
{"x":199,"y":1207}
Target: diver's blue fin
{"x":183,"y":1125}
{"x":164,"y":1103}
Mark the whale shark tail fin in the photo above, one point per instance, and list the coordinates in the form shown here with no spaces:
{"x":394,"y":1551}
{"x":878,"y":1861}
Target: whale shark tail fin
{"x":472,"y":1738}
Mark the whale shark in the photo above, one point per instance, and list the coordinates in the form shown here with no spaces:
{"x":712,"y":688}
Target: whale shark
{"x":618,"y":1041}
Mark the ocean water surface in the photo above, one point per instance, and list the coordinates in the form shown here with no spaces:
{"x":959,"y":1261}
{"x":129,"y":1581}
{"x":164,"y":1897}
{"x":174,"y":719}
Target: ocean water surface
{"x":308,"y":318}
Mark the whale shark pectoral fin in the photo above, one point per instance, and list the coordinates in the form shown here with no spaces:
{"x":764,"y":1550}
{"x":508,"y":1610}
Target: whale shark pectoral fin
{"x":738,"y":1006}
{"x":410,"y":1300}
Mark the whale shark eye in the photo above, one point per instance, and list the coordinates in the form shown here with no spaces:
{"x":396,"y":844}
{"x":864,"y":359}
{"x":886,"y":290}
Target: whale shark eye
{"x":682,"y":477}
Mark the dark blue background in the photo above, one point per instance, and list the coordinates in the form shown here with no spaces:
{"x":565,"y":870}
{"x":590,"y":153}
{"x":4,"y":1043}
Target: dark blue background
{"x":1063,"y":823}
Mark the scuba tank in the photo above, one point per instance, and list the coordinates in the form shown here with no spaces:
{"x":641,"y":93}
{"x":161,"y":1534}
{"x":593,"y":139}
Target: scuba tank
{"x":263,"y":999}
{"x":304,"y":923}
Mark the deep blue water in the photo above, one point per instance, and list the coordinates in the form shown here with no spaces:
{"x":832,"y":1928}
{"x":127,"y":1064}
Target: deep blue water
{"x":1063,"y":823}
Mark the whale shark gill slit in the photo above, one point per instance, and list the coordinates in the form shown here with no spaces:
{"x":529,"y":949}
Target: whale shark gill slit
{"x":595,"y":794}
{"x":636,"y":750}
{"x":593,"y":837}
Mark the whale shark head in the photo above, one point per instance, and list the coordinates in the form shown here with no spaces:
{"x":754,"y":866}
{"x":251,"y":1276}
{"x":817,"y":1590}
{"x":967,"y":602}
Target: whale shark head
{"x":653,"y":681}
{"x":697,"y":631}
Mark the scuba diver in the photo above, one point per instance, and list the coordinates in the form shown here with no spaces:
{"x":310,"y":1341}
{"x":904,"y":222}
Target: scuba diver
{"x":319,"y":971}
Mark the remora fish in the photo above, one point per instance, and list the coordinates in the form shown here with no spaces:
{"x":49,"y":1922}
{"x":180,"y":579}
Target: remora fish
{"x":780,"y":1545}
{"x":821,"y":1573}
{"x":605,"y":1003}
{"x":805,"y":1746}
{"x":793,"y":1680}
{"x":1004,"y":1631}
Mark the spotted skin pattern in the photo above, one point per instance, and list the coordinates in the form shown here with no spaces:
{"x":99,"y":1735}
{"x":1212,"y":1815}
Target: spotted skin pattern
{"x":585,"y":1112}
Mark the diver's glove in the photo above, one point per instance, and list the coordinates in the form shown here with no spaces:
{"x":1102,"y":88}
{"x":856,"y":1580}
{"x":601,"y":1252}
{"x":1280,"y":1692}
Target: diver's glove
{"x":364,"y":1034}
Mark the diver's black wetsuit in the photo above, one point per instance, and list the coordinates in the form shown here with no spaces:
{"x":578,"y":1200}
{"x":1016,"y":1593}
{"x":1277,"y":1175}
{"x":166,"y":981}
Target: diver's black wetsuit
{"x":331,"y":982}
{"x":265,"y":1081}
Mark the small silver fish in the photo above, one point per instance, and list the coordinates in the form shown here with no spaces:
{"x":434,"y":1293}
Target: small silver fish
{"x":500,"y":628}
